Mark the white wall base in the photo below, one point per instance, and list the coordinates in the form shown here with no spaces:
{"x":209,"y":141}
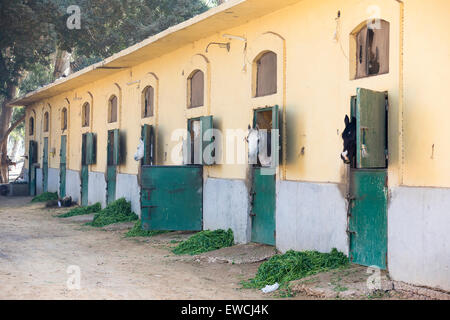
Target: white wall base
{"x":53,"y":180}
{"x":419,"y":236}
{"x":310,"y":216}
{"x":97,"y":188}
{"x":225,"y":205}
{"x":73,"y":185}
{"x":127,"y":187}
{"x":39,"y":181}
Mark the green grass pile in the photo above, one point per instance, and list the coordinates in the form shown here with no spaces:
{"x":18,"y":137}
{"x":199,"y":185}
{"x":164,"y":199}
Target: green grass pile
{"x":46,"y":196}
{"x":137,"y":231}
{"x":295,"y":265}
{"x":115,"y":212}
{"x":205,"y":241}
{"x":82,"y":211}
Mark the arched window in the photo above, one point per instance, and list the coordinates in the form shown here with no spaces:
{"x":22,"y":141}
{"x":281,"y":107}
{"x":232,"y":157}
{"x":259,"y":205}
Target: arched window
{"x":46,"y":121}
{"x":148,"y":102}
{"x":196,"y":89}
{"x":31,"y":126}
{"x":372,"y":49}
{"x":266,"y":74}
{"x":112,"y":109}
{"x":85,"y":114}
{"x":64,"y":119}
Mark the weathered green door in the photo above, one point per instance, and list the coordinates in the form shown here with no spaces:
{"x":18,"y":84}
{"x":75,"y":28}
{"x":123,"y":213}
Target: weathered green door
{"x":371,"y":126}
{"x":32,"y":159}
{"x":264,"y":180}
{"x":45,"y":166}
{"x":86,"y":150}
{"x":112,"y":162}
{"x":172,"y":198}
{"x":368,"y":182}
{"x":263,"y":210}
{"x":368,"y":217}
{"x":62,"y":167}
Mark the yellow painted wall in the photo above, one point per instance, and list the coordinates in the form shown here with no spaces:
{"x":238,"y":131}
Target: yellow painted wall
{"x":314,"y":91}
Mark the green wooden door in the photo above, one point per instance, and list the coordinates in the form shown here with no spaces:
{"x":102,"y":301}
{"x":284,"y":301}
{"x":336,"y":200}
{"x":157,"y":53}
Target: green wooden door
{"x":113,"y":160}
{"x":264,"y":184}
{"x":45,"y":166}
{"x":371,"y":126}
{"x":263,"y":209}
{"x":368,"y":217}
{"x":172,"y":198}
{"x":62,"y":167}
{"x":32,"y":159}
{"x":88,"y":157}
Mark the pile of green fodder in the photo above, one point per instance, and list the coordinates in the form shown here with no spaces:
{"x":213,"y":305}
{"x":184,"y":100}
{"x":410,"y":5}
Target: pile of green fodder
{"x":82,"y":211}
{"x":46,"y":196}
{"x":295,"y":265}
{"x":137,"y":231}
{"x":117,"y":211}
{"x":205,"y":241}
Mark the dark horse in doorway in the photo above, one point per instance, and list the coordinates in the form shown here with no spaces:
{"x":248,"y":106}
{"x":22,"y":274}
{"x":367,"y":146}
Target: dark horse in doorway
{"x":349,"y":137}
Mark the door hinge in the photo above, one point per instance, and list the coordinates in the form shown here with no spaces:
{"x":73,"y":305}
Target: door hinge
{"x":252,"y":214}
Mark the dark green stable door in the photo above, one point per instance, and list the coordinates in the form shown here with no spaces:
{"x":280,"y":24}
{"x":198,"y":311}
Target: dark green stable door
{"x":368,"y":182}
{"x":112,"y":162}
{"x":263,"y":211}
{"x":45,"y":166}
{"x":62,"y":167}
{"x":88,"y":156}
{"x":172,"y":198}
{"x":264,"y":182}
{"x":368,"y":220}
{"x":32,"y":159}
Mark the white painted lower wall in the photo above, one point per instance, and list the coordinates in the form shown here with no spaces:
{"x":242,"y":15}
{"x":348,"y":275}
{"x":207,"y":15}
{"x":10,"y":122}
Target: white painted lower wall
{"x":39,"y":181}
{"x":225,"y":205}
{"x":419,"y":236}
{"x":97,"y":188}
{"x":73,"y":185}
{"x":53,"y":180}
{"x":310,"y":216}
{"x":127,"y":187}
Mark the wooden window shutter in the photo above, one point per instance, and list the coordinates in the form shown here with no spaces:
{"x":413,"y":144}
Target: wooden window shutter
{"x":197,"y":89}
{"x":86,"y":114}
{"x":31,"y":126}
{"x":64,"y":119}
{"x":266,"y":77}
{"x":46,"y":116}
{"x":148,"y":102}
{"x":113,"y":109}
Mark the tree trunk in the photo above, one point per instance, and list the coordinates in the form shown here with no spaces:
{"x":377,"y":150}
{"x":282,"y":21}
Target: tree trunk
{"x":5,"y":119}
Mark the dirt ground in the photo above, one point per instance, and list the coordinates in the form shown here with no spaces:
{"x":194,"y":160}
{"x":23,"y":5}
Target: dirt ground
{"x":36,"y":250}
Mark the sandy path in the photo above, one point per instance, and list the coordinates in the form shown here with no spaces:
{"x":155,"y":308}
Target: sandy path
{"x":36,"y":249}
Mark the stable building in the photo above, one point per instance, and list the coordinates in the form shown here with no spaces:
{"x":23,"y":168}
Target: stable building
{"x":275,"y":79}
